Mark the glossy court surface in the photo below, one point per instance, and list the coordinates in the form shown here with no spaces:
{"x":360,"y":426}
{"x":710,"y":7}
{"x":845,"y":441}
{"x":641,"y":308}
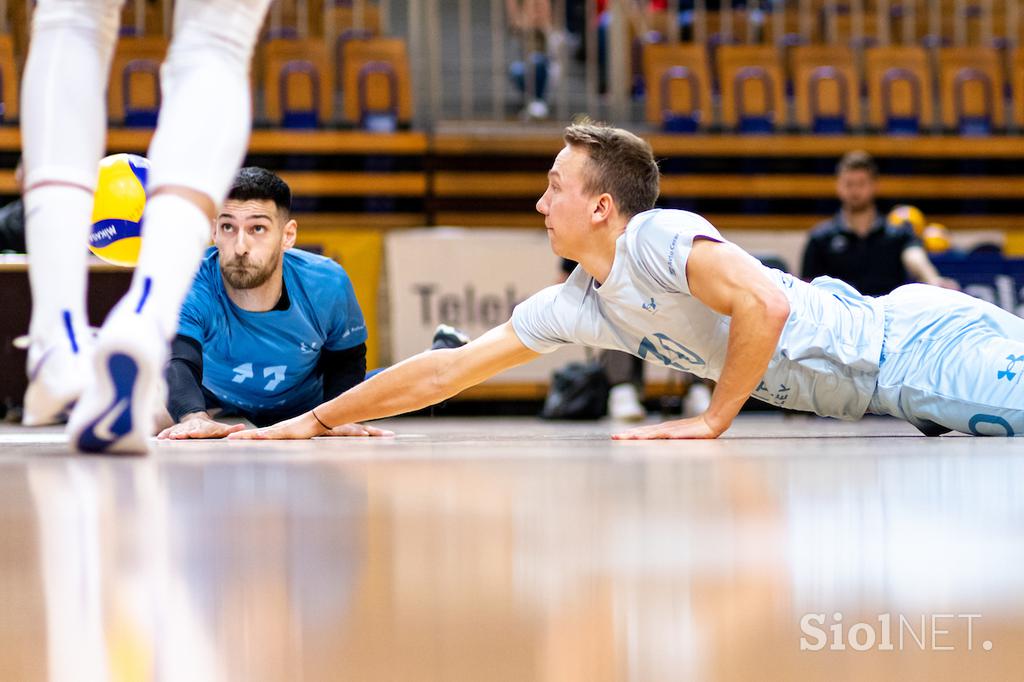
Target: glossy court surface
{"x":477,"y":550}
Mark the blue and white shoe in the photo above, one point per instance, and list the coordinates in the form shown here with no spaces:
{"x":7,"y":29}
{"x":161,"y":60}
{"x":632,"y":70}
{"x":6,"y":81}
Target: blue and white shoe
{"x":116,"y":413}
{"x":59,"y":369}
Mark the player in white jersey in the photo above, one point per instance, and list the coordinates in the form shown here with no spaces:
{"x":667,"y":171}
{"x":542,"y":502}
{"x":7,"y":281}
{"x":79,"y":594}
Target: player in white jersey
{"x":665,"y":286}
{"x":200,"y":140}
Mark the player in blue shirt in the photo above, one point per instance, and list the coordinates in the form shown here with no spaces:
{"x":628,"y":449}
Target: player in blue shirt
{"x":267,"y":331}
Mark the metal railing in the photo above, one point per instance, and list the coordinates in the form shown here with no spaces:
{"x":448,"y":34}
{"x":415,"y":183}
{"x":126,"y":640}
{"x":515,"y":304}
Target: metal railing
{"x":503,"y":61}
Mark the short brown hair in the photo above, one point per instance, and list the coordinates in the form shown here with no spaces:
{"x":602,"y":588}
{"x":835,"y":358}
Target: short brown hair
{"x":855,"y":161}
{"x":619,"y":163}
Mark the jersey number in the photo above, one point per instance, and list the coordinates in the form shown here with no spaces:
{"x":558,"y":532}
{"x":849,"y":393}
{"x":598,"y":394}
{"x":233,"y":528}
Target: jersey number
{"x":670,"y":353}
{"x":245,"y":371}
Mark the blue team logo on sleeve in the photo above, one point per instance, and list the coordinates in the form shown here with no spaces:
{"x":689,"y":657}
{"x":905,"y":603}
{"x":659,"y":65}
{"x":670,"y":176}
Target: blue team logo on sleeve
{"x":1009,"y":374}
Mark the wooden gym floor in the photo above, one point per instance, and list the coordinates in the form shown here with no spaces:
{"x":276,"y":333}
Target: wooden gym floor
{"x":519,"y":550}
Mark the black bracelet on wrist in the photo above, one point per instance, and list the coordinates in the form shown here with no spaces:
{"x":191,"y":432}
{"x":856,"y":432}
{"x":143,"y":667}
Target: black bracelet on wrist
{"x":313,"y":412}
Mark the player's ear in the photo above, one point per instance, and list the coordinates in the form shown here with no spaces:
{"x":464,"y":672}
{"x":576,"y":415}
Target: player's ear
{"x":603,"y":208}
{"x":213,"y":230}
{"x":291,"y":231}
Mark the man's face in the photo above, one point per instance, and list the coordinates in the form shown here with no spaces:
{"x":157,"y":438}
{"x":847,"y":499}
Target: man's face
{"x":566,"y":208}
{"x":856,"y":190}
{"x":251,"y":237}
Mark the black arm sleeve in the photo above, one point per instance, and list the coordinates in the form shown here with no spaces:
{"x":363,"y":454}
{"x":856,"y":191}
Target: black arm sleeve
{"x":185,"y":378}
{"x":342,"y":369}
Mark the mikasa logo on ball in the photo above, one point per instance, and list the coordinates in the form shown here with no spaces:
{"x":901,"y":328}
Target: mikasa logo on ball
{"x":102,"y":235}
{"x":118,"y":204}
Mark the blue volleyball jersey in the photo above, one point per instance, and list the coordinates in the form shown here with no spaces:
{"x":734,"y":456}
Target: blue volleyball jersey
{"x":267,"y":361}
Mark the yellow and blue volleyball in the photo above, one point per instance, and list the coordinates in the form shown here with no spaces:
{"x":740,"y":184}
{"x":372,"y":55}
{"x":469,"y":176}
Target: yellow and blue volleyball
{"x":907,"y":216}
{"x":117,"y":209}
{"x":936,"y":238}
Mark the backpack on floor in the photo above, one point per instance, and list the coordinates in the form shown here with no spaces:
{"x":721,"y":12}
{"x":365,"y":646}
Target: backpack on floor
{"x":578,"y":391}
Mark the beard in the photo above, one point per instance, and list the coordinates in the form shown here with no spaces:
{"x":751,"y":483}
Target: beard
{"x":859,"y":204}
{"x":243,"y":273}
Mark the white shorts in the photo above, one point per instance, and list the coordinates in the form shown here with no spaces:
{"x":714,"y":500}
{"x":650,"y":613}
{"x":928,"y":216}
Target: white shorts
{"x":951,"y":362}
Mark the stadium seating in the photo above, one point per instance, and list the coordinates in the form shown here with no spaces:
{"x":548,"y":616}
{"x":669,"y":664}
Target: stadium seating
{"x":971,"y":90}
{"x":1017,"y":87}
{"x":141,"y":18}
{"x":298,"y":83}
{"x":376,"y":86}
{"x":678,"y":86}
{"x":827,"y":89}
{"x":8,"y":81}
{"x":900,"y":89}
{"x":752,"y":88}
{"x":133,"y":95}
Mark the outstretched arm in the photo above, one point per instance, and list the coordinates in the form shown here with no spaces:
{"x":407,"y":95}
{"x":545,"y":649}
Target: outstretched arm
{"x":733,"y":283}
{"x":915,"y":260}
{"x":418,"y":382}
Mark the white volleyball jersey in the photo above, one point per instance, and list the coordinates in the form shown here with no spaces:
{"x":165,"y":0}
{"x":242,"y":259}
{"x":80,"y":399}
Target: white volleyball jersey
{"x":827,"y":358}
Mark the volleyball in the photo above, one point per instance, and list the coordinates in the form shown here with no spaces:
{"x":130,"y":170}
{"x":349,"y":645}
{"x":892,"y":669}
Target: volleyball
{"x":906,"y":215}
{"x":117,"y":209}
{"x":936,"y":238}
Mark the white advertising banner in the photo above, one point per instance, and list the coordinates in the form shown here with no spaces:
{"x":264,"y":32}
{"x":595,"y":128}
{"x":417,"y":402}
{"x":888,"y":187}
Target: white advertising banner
{"x":469,"y":278}
{"x":472,"y":278}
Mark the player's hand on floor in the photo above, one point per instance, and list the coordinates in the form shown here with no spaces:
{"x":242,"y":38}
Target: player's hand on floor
{"x":198,"y":427}
{"x":306,"y":426}
{"x":694,"y":427}
{"x":359,"y":430}
{"x":303,"y":427}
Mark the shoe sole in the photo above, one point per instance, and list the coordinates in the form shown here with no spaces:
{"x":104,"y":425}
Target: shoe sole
{"x":124,"y":386}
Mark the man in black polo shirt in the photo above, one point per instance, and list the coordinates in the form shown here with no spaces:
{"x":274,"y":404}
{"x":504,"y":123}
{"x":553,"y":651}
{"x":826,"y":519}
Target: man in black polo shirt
{"x":857,"y":246}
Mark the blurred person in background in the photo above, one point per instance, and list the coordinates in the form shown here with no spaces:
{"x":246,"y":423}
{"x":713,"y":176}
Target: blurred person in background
{"x":531,"y":24}
{"x":859,"y":246}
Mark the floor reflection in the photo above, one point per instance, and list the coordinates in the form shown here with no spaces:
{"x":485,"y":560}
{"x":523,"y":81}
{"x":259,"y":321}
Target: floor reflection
{"x":490,"y":558}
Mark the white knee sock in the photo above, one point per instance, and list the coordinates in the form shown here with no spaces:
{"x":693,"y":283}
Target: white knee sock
{"x":206,"y":112}
{"x":57,"y":231}
{"x":64,"y":110}
{"x":175,"y":232}
{"x":199,"y":143}
{"x":63,"y":126}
